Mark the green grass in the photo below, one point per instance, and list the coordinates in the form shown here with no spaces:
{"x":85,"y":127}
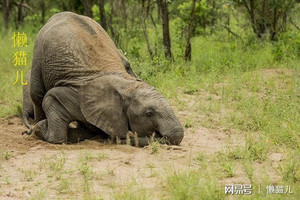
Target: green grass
{"x":11,"y":95}
{"x":132,"y":192}
{"x":6,"y":155}
{"x":193,"y":185}
{"x":290,"y":170}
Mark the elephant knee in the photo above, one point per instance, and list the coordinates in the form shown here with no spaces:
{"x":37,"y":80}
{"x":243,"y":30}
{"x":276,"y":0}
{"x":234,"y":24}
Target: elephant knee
{"x":47,"y":102}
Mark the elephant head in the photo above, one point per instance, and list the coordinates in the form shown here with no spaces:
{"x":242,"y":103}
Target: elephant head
{"x":118,"y":104}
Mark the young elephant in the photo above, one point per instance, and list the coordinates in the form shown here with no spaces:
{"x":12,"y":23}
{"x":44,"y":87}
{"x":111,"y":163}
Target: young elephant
{"x":28,"y":110}
{"x":77,"y":75}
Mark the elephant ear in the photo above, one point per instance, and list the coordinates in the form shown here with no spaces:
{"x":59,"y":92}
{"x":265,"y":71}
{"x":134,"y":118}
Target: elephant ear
{"x":102,"y":105}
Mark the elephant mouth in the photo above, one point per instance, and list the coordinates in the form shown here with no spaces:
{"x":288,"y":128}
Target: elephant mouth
{"x":173,"y":138}
{"x":161,"y":138}
{"x":158,"y":135}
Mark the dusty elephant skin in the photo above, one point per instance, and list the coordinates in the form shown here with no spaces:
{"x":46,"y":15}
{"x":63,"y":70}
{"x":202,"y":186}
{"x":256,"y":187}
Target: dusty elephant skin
{"x":77,"y":75}
{"x":28,"y":110}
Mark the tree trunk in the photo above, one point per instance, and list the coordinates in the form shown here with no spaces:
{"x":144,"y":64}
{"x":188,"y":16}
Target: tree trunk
{"x":112,"y":31}
{"x":158,"y":11}
{"x":144,"y":14}
{"x":123,"y":5}
{"x":250,"y":9}
{"x":87,"y":4}
{"x":43,"y":10}
{"x":188,"y":49}
{"x":165,"y":24}
{"x":274,"y":31}
{"x":5,"y":5}
{"x":102,"y":14}
{"x":19,"y":17}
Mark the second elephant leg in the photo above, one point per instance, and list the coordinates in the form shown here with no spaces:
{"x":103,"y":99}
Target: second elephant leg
{"x":61,"y":107}
{"x":79,"y":134}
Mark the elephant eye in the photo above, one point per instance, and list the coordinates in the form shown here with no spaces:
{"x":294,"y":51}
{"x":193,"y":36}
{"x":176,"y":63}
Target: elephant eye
{"x":149,"y":113}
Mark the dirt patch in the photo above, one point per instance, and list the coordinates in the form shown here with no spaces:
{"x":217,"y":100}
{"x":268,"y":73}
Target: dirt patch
{"x":39,"y":169}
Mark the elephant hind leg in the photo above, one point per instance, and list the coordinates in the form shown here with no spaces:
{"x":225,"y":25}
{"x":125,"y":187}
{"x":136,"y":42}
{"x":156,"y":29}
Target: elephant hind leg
{"x":57,"y":120}
{"x":37,"y":92}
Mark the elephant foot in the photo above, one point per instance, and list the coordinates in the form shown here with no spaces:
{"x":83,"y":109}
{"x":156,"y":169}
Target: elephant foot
{"x":40,"y":129}
{"x":29,"y":132}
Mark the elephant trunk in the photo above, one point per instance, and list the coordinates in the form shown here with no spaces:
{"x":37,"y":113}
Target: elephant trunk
{"x":174,"y":135}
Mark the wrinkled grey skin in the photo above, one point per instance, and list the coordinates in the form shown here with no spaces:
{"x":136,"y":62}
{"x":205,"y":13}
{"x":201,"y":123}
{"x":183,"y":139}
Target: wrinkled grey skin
{"x":77,"y":79}
{"x":28,"y":110}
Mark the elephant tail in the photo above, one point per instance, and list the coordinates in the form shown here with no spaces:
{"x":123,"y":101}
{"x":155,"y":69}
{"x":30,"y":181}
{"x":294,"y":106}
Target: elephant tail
{"x":25,"y":117}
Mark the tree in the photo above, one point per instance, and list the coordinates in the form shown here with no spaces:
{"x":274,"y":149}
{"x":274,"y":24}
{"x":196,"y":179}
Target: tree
{"x":21,"y":12}
{"x":102,"y":14}
{"x":124,"y":14}
{"x":267,"y":16}
{"x":111,"y":28}
{"x":43,"y":10}
{"x":193,"y":17}
{"x":163,"y":7}
{"x":5,"y":6}
{"x":144,"y":14}
{"x":87,"y":4}
{"x":188,"y":49}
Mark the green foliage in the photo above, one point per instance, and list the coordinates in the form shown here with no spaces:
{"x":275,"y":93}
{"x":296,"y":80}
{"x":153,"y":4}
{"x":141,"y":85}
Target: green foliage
{"x":287,"y":46}
{"x":96,"y":12}
{"x":202,"y":10}
{"x":206,"y":14}
{"x":267,"y":17}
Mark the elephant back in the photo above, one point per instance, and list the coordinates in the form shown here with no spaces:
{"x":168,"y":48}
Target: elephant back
{"x":71,"y":48}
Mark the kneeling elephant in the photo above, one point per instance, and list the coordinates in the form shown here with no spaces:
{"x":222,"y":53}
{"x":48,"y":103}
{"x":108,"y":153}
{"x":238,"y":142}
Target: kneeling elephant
{"x":78,"y":75}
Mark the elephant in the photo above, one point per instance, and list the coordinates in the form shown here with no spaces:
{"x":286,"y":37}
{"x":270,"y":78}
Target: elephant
{"x":77,"y":75}
{"x":28,"y":110}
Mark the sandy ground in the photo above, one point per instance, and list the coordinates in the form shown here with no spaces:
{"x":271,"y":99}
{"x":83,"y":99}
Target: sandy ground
{"x":35,"y":171}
